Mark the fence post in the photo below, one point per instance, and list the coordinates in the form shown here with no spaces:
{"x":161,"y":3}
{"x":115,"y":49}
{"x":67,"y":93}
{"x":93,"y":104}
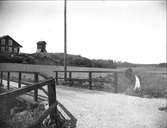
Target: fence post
{"x":19,"y":83}
{"x":70,"y":77}
{"x":8,"y":80}
{"x":52,"y":99}
{"x":1,"y":78}
{"x":90,"y":80}
{"x":116,"y":81}
{"x":57,"y":77}
{"x":36,"y":90}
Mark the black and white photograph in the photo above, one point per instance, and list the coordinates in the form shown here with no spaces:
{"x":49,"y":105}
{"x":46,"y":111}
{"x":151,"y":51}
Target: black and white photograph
{"x":83,"y":64}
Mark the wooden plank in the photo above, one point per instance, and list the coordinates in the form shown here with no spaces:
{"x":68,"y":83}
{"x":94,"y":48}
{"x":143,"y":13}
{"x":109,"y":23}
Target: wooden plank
{"x":23,"y":90}
{"x":116,"y":82}
{"x":45,"y":76}
{"x":86,"y":80}
{"x":22,"y":82}
{"x":82,"y":71}
{"x":40,"y":97}
{"x":8,"y":80}
{"x":19,"y":82}
{"x":52,"y":99}
{"x":90,"y":80}
{"x":66,"y":111}
{"x":70,"y":78}
{"x":29,"y":72}
{"x":36,"y":79}
{"x":56,"y":78}
{"x":46,"y":92}
{"x":1,"y":78}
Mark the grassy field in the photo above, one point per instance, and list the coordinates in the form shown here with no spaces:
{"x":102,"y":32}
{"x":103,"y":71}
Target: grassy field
{"x":153,"y":79}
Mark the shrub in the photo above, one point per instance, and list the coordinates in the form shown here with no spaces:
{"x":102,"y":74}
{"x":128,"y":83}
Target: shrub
{"x":25,"y":118}
{"x":130,"y":75}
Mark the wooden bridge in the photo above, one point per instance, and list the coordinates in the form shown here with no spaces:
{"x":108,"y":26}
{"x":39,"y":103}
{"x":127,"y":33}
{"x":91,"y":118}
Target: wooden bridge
{"x":32,"y":84}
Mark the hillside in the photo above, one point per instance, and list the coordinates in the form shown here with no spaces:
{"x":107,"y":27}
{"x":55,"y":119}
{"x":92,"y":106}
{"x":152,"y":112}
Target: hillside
{"x":58,"y":59}
{"x":72,"y":60}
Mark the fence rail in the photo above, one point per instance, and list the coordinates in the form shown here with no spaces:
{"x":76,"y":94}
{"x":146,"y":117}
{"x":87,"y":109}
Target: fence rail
{"x":35,"y":85}
{"x":20,"y":81}
{"x":88,"y":79}
{"x":19,"y":90}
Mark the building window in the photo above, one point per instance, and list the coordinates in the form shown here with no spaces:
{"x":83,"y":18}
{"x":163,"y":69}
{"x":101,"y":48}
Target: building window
{"x":6,"y":48}
{"x":2,"y":49}
{"x":10,"y":50}
{"x":15,"y":50}
{"x":3,"y":42}
{"x":10,"y":42}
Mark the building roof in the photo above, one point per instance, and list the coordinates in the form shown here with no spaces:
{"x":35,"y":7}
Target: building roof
{"x":8,"y":37}
{"x":41,"y":42}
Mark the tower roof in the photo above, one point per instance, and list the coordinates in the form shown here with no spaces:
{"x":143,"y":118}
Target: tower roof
{"x":41,"y":42}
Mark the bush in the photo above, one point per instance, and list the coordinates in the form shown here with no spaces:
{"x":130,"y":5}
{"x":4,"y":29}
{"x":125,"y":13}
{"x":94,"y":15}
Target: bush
{"x":130,"y":75}
{"x":25,"y":118}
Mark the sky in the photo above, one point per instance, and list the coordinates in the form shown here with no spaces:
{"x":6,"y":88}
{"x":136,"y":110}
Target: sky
{"x":125,"y":30}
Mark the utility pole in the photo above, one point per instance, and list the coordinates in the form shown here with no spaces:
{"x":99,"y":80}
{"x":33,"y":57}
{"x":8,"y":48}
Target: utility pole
{"x":65,"y":40}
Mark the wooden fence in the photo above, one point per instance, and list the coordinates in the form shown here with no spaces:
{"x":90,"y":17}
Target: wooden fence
{"x":90,"y":79}
{"x":35,"y":85}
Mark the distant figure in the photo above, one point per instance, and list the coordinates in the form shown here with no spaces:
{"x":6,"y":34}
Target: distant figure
{"x":41,"y":46}
{"x":137,"y":83}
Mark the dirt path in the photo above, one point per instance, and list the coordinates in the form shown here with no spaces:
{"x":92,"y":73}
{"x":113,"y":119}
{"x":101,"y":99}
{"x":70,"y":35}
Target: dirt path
{"x":95,"y":109}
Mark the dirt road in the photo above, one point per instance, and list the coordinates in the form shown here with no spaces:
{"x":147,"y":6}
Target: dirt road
{"x":97,"y":109}
{"x":94,"y":109}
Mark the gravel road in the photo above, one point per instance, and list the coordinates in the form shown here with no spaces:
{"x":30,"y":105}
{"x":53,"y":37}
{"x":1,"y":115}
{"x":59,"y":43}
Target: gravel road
{"x":95,"y":109}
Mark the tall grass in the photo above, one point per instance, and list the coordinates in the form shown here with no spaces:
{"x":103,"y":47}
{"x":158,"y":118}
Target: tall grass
{"x":153,"y":84}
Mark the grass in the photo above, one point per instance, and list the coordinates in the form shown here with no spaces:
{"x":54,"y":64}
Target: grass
{"x":153,"y":84}
{"x":153,"y":81}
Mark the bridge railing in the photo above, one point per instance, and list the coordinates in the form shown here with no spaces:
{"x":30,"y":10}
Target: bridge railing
{"x":19,"y":78}
{"x":34,"y":81}
{"x":32,"y":85}
{"x":86,"y":76}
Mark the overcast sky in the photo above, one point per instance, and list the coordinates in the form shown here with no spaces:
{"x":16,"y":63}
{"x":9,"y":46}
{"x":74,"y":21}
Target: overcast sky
{"x":133,"y":31}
